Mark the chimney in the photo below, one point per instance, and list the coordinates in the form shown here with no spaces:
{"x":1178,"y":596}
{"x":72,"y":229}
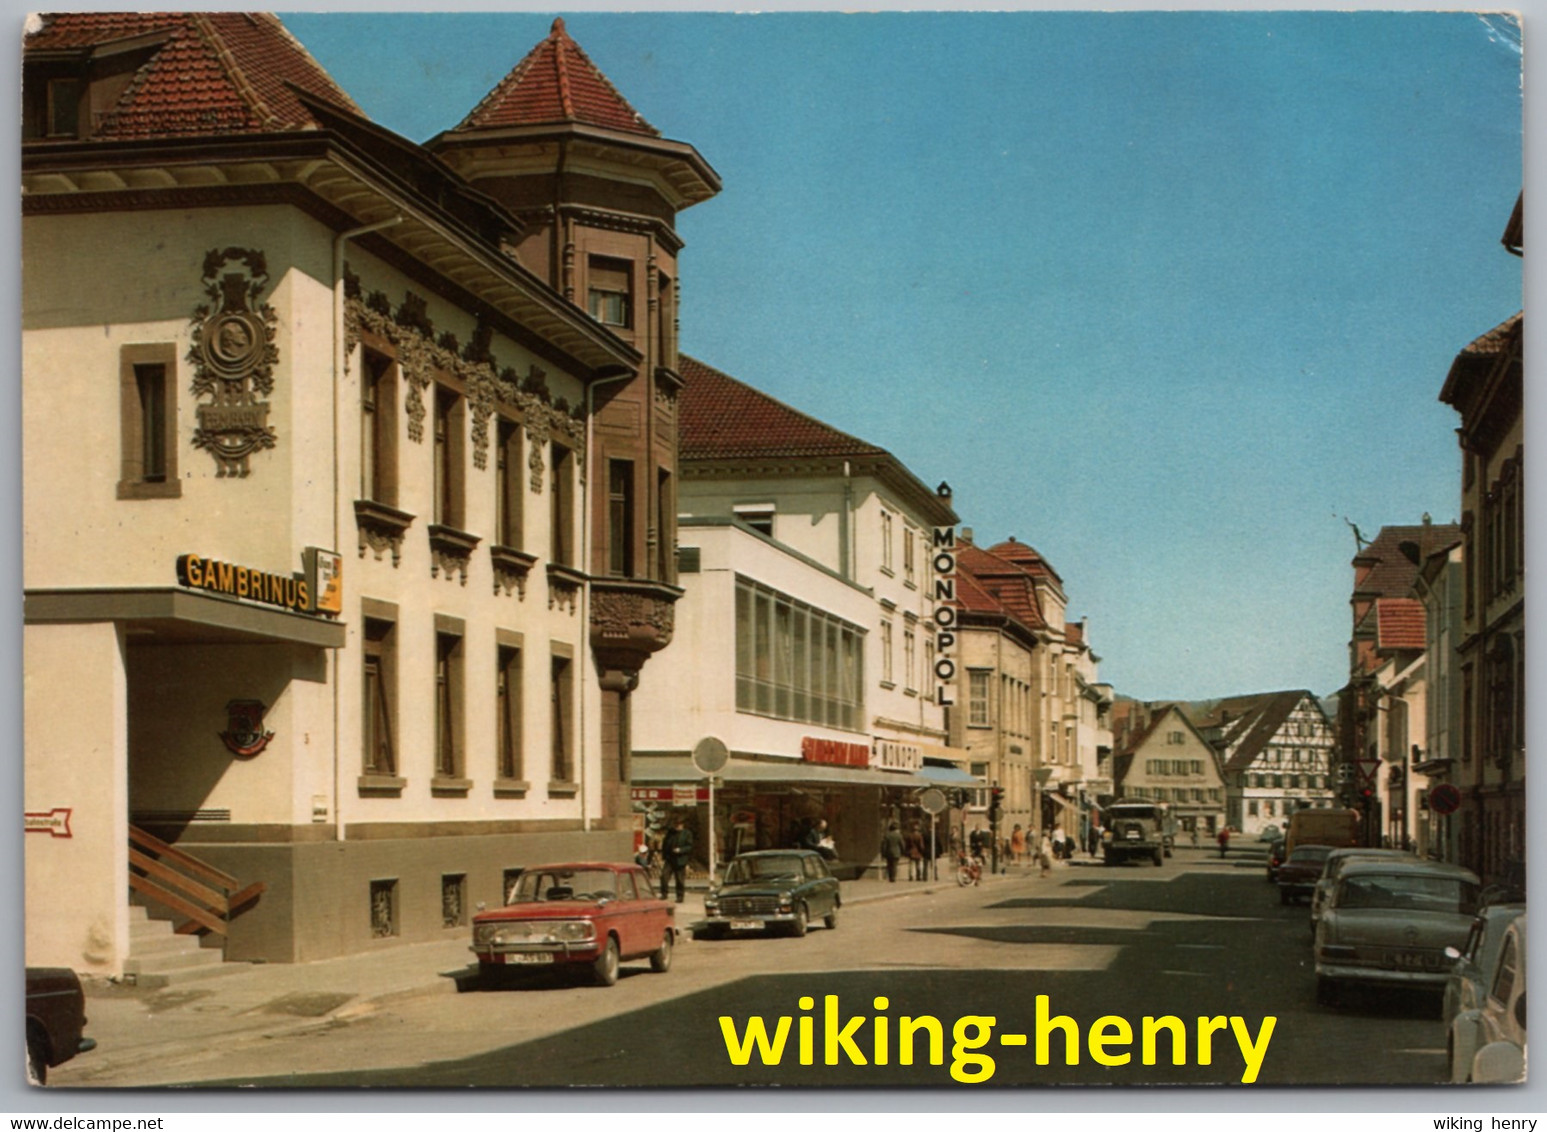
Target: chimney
{"x":966,"y":534}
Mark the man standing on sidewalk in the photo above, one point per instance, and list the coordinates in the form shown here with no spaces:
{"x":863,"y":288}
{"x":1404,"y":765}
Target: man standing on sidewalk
{"x":891,"y":850}
{"x":676,"y":852}
{"x":913,"y":844}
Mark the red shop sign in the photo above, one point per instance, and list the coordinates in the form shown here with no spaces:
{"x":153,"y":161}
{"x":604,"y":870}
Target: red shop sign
{"x":834,"y":752}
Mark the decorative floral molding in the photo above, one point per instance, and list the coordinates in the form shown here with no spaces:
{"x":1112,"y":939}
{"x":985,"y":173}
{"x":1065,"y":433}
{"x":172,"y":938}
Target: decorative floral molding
{"x":233,"y":355}
{"x":450,"y":550}
{"x":420,"y":354}
{"x":381,"y":528}
{"x":511,"y":568}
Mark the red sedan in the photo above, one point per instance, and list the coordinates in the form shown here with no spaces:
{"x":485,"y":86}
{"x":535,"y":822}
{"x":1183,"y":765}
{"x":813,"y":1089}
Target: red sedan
{"x":591,"y":914}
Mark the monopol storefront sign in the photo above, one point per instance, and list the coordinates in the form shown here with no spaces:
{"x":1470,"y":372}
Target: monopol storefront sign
{"x":942,"y":564}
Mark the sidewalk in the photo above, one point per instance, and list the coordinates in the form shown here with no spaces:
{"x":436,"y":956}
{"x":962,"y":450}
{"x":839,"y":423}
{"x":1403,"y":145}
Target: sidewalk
{"x":264,"y":1000}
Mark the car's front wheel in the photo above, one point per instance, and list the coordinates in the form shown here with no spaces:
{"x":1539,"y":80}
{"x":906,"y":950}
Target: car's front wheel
{"x":660,"y":958}
{"x":605,"y":969}
{"x":799,"y":924}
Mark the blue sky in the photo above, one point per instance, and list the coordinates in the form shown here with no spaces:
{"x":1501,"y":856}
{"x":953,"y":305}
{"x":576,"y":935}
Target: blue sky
{"x":1166,"y":295}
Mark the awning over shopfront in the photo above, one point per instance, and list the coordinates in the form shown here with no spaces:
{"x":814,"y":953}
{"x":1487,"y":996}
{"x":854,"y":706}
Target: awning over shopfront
{"x":180,"y":616}
{"x":949,"y":776}
{"x":1072,"y":806}
{"x":676,"y":768}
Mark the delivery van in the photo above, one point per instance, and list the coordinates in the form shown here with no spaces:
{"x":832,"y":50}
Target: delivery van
{"x":1337,"y":828}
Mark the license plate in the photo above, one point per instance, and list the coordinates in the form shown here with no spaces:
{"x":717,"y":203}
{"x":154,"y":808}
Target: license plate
{"x":1132,"y":835}
{"x":746,"y":925}
{"x":1409,"y":961}
{"x":520,"y":957}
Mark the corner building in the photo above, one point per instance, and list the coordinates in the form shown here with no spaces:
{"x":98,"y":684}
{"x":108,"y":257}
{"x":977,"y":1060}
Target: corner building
{"x":343,"y":577}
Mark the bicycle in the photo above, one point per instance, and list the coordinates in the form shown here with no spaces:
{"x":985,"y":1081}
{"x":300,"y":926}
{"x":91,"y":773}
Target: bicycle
{"x":969,"y":870}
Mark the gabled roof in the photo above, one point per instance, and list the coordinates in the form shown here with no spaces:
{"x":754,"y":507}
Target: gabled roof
{"x":1010,"y":585}
{"x":1026,"y":558}
{"x":1399,"y":623}
{"x":1392,"y":571}
{"x":1252,"y":721}
{"x":722,"y":418}
{"x":1159,"y":713}
{"x":1478,"y":357}
{"x":208,"y":73}
{"x":556,"y":83}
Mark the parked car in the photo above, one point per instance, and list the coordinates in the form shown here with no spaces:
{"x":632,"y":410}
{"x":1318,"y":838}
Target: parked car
{"x":1487,"y":1042}
{"x":56,"y":1020}
{"x":1298,"y":875}
{"x":1337,"y":860}
{"x":1134,"y":829}
{"x":785,"y":888}
{"x":1477,"y":960}
{"x":1389,"y":923}
{"x":592,"y":915}
{"x":1270,"y":834}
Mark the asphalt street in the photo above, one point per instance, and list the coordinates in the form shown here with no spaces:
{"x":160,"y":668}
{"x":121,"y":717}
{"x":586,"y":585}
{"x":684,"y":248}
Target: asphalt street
{"x":1107,"y":947}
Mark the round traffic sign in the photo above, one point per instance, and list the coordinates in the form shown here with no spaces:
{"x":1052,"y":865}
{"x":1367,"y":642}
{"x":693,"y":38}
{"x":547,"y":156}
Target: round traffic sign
{"x":932,"y":801}
{"x":1445,"y":799}
{"x":710,"y":755}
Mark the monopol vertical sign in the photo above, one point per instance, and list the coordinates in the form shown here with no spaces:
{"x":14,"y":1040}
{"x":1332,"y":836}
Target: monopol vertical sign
{"x":942,"y":564}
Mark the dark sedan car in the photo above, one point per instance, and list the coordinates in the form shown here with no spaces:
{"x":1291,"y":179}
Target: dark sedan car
{"x":56,"y":1017}
{"x":1298,"y":875}
{"x":776,"y":888}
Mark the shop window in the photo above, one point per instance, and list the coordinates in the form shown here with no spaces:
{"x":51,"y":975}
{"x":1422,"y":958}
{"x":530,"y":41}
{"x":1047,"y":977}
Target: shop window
{"x":378,"y":726}
{"x":453,"y":900}
{"x":620,"y":518}
{"x":378,"y":429}
{"x":796,"y":662}
{"x":561,"y":695}
{"x":508,"y":466}
{"x":610,"y":291}
{"x":384,"y":909}
{"x":148,"y":422}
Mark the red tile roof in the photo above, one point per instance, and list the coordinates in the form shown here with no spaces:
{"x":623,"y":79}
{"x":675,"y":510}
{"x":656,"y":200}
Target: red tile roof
{"x":1074,"y":632}
{"x":1026,"y":558}
{"x":722,"y":418}
{"x":214,"y":73}
{"x":1007,"y":582}
{"x":1392,"y":572}
{"x":556,"y":83}
{"x":1399,"y":623}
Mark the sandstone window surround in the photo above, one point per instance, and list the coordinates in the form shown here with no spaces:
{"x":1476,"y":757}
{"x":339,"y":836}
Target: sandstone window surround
{"x":147,"y":381}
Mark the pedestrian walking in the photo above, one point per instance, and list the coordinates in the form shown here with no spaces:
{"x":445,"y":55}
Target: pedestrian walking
{"x":913,"y":845}
{"x":891,"y":851}
{"x":676,"y":852}
{"x":1017,"y":844}
{"x":1195,"y":835}
{"x":1045,"y":855}
{"x":1224,"y":840}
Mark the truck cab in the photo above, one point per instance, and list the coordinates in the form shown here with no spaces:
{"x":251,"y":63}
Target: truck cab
{"x":1134,"y":830}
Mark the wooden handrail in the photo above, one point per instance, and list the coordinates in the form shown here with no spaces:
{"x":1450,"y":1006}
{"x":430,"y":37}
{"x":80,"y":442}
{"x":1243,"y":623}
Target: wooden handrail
{"x":162,"y":874}
{"x":191,"y":864}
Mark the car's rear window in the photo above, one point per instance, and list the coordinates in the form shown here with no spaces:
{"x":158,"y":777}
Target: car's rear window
{"x":1309,"y":854}
{"x":1408,"y":891}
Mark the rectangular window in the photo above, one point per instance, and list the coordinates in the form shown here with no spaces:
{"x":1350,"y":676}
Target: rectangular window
{"x":977,"y":698}
{"x":620,"y":518}
{"x":380,"y":684}
{"x":610,"y":291}
{"x":796,"y":662}
{"x":907,"y":554}
{"x":507,"y":485}
{"x":886,"y":652}
{"x":665,"y":527}
{"x":758,"y":516}
{"x":886,"y":541}
{"x":562,"y":507}
{"x":64,"y":108}
{"x":448,"y":705}
{"x":666,"y":311}
{"x":453,"y":900}
{"x":378,"y":428}
{"x":909,"y":661}
{"x":561,"y":693}
{"x":450,"y":434}
{"x":148,"y":422}
{"x":507,"y":699}
{"x":1251,"y":808}
{"x":384,"y":923}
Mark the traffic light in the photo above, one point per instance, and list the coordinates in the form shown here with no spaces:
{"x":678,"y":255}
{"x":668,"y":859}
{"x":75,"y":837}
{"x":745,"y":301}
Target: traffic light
{"x":995,"y":802}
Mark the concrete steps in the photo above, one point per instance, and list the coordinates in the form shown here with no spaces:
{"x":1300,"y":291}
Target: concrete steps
{"x":159,"y":957}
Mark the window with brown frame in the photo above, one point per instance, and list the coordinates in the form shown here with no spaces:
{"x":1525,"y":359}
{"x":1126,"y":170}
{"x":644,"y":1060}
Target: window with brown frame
{"x":450,"y":435}
{"x":562,"y":507}
{"x":609,"y":291}
{"x":378,"y":721}
{"x":448,"y":705}
{"x":507,"y":697}
{"x":148,"y":422}
{"x":507,"y":484}
{"x":620,"y":518}
{"x":378,"y":428}
{"x":561,"y":693}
